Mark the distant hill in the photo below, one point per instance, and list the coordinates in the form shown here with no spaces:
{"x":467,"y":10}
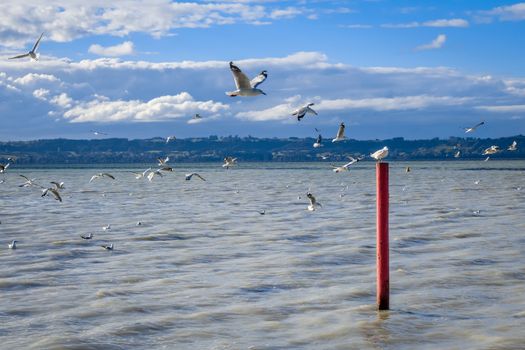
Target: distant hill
{"x":213,"y":148}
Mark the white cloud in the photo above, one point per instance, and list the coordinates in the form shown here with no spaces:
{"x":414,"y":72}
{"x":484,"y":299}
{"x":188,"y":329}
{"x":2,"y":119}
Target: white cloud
{"x":33,"y":78}
{"x":504,"y":108}
{"x":515,"y":12}
{"x":126,"y":48}
{"x":437,"y":43}
{"x":356,"y":26}
{"x":455,"y":22}
{"x":157,"y":109}
{"x":41,"y":94}
{"x":62,"y":100}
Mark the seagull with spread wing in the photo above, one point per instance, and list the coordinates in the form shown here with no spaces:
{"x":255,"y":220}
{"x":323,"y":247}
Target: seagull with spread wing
{"x":245,"y":87}
{"x":189,"y":176}
{"x":54,"y":192}
{"x":301,"y":112}
{"x":338,"y":169}
{"x":472,"y":129}
{"x":340,"y":133}
{"x":101,"y":175}
{"x":513,"y":146}
{"x":228,"y":162}
{"x":32,"y":54}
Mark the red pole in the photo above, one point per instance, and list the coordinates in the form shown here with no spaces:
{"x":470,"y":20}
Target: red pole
{"x":383,"y":279}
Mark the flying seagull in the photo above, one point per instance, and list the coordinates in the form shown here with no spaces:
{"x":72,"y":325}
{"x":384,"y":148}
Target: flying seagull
{"x":244,"y":86}
{"x":3,"y":167}
{"x":228,"y":162}
{"x":98,"y":133}
{"x":58,"y":185}
{"x":301,"y":112}
{"x":163,"y":162}
{"x":378,"y":155}
{"x":313,"y":202}
{"x":32,"y":53}
{"x":12,"y":245}
{"x":472,"y":129}
{"x":513,"y":146}
{"x":141,"y":175}
{"x":458,"y":154}
{"x":53,"y":191}
{"x":197,"y":116}
{"x":169,"y":138}
{"x":318,"y":141}
{"x":99,"y":175}
{"x":106,"y":228}
{"x":29,"y":182}
{"x":189,"y":176}
{"x":491,"y":150}
{"x":87,"y":237}
{"x":154,"y":173}
{"x":340,"y":133}
{"x":338,"y":169}
{"x":107,"y":247}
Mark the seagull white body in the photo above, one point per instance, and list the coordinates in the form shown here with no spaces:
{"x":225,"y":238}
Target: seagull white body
{"x":169,"y":138}
{"x":380,"y":154}
{"x":99,"y":175}
{"x":28,"y":183}
{"x":338,"y":169}
{"x":491,"y":150}
{"x":513,"y":146}
{"x":107,"y":247}
{"x":318,"y":142}
{"x":313,"y":202}
{"x":32,"y":54}
{"x":189,"y":176}
{"x":245,"y":87}
{"x":106,"y":228}
{"x":228,"y":162}
{"x":340,"y":133}
{"x":154,"y":173}
{"x":12,"y":245}
{"x":53,"y":191}
{"x":472,"y":129}
{"x":458,"y":154}
{"x":301,"y":112}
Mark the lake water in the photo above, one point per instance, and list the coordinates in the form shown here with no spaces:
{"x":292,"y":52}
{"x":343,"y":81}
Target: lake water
{"x":207,"y":271}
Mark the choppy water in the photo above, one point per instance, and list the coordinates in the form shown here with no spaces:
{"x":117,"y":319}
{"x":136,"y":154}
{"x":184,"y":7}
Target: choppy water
{"x":207,"y":271}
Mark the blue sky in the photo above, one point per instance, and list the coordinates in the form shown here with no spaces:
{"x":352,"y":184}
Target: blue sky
{"x":138,"y":69}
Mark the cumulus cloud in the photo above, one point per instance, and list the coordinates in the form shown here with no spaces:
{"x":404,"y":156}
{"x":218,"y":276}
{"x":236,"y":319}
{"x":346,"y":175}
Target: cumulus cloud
{"x":515,"y":12}
{"x":124,"y":49}
{"x":34,"y":78}
{"x":65,"y":21}
{"x":437,"y":43}
{"x":157,"y":109}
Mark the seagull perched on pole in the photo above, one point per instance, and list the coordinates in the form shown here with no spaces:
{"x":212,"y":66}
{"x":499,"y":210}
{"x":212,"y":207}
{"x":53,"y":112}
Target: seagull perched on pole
{"x":244,"y":86}
{"x":340,"y":133}
{"x":378,"y":155}
{"x":32,"y":54}
{"x":472,"y":129}
{"x":189,"y":176}
{"x":99,"y":175}
{"x":301,"y":112}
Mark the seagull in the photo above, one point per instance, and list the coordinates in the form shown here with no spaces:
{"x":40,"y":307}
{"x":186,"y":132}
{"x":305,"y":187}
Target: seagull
{"x":98,"y":133}
{"x":139,"y":223}
{"x":491,"y":150}
{"x":164,"y":161}
{"x":318,"y":142}
{"x":3,"y":167}
{"x":152,"y":173}
{"x":313,"y":202}
{"x":262,"y":212}
{"x":513,"y":146}
{"x":96,"y":176}
{"x":12,"y":245}
{"x":107,"y":247}
{"x":29,"y":182}
{"x":53,"y":191}
{"x":166,"y":168}
{"x":338,"y":169}
{"x":197,"y":116}
{"x":189,"y":176}
{"x":228,"y":162}
{"x":378,"y":155}
{"x":106,"y":228}
{"x":141,"y":175}
{"x":407,"y":169}
{"x":487,"y":159}
{"x":340,"y":133}
{"x":87,"y":237}
{"x":169,"y":138}
{"x":301,"y":112}
{"x":58,"y":185}
{"x":458,"y":154}
{"x":472,"y":129}
{"x":32,"y":53}
{"x":244,"y":86}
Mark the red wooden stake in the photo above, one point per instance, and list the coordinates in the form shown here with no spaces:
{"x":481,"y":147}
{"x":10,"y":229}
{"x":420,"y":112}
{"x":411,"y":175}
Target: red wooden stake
{"x":383,"y":279}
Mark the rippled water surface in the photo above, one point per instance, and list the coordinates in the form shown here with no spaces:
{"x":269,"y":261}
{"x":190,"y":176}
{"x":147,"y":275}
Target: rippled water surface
{"x":207,"y":271}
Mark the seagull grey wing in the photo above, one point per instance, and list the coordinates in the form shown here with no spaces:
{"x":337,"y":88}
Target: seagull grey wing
{"x":109,"y":175}
{"x":19,"y":56}
{"x":200,"y":177}
{"x":56,"y":194}
{"x":311,"y":110}
{"x":341,"y":131}
{"x":25,"y":177}
{"x":37,"y":43}
{"x":241,"y":80}
{"x":258,"y":80}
